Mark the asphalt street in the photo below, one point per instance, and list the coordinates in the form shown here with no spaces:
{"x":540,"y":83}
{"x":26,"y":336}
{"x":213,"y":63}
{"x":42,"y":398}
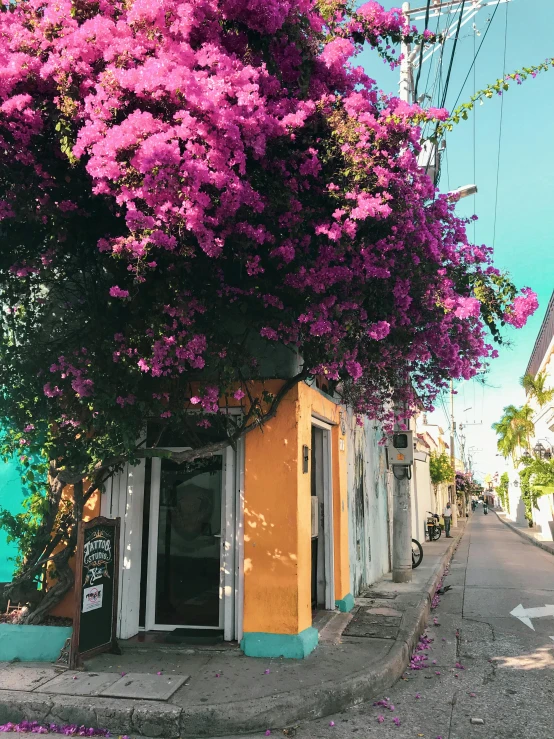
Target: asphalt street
{"x":490,"y":673}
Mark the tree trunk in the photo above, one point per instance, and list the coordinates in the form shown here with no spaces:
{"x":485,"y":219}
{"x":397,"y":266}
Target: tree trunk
{"x":65,"y":577}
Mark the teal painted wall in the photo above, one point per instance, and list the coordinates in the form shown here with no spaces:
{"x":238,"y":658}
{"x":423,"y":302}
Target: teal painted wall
{"x":11,"y":498}
{"x":32,"y":643}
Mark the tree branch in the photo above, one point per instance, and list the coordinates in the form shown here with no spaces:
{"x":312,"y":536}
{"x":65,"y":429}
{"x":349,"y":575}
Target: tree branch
{"x":208,"y":450}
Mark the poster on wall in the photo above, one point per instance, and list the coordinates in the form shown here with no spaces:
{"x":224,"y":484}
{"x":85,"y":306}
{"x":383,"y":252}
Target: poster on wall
{"x":96,"y":583}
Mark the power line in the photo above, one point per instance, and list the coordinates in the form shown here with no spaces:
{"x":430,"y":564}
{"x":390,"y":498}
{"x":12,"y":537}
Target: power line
{"x":475,"y":57}
{"x":452,"y":55}
{"x":421,"y":47}
{"x":500,"y":130}
{"x":430,"y":65}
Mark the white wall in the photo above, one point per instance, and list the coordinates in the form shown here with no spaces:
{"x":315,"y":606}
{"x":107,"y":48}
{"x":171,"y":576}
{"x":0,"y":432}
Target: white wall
{"x":422,"y":495}
{"x":124,"y":497}
{"x":369,"y":485}
{"x":544,"y":516}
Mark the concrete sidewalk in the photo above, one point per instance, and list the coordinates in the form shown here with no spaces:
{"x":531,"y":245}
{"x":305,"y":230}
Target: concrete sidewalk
{"x":532,"y":534}
{"x":171,"y":691}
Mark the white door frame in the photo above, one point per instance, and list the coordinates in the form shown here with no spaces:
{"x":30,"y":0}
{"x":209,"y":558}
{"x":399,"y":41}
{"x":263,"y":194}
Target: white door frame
{"x":227,"y":546}
{"x":328,"y":522}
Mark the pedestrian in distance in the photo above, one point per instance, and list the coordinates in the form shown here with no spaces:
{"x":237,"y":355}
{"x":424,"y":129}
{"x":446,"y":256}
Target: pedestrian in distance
{"x":447,"y":515}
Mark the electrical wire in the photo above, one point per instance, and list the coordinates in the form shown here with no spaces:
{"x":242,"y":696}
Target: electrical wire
{"x":421,"y":48}
{"x":475,"y":57}
{"x":500,"y":130}
{"x":430,"y":65}
{"x":445,"y":91}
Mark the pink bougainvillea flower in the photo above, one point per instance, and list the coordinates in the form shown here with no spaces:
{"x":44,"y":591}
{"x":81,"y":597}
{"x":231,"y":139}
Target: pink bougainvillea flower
{"x":331,"y":723}
{"x":268,"y":732}
{"x":117,"y":292}
{"x":380,"y":719}
{"x":396,"y":721}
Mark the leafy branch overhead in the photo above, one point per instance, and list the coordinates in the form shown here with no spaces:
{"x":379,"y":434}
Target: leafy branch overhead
{"x":440,"y":468}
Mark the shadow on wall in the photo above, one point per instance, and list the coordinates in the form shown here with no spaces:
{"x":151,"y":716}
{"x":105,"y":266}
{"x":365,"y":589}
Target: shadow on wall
{"x":520,"y":512}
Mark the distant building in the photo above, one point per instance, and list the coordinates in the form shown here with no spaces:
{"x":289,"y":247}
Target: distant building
{"x":542,"y":362}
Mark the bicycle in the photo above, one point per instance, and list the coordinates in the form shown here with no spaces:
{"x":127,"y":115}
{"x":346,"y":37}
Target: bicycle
{"x":417,"y":553}
{"x":433,"y":528}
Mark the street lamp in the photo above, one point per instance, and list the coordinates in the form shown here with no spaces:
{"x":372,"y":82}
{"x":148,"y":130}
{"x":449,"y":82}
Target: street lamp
{"x":541,"y":451}
{"x":462,"y":192}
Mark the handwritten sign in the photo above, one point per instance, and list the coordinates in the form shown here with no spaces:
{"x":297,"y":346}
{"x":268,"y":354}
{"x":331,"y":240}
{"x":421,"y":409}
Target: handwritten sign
{"x":96,"y":582}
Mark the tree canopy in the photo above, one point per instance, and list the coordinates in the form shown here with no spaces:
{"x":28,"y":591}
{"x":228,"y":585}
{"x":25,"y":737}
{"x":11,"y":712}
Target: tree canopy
{"x":535,"y":387}
{"x":514,"y":430}
{"x":183,"y":183}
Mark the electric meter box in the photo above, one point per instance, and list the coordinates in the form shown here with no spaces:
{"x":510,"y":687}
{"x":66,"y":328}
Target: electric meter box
{"x":401,"y":449}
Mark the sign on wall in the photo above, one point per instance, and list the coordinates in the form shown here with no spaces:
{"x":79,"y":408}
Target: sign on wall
{"x":96,"y":583}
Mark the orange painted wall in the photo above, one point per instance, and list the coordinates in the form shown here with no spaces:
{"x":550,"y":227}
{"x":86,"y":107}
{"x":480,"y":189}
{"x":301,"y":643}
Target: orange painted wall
{"x":270,"y":524}
{"x":66,"y":607}
{"x":277,"y":515}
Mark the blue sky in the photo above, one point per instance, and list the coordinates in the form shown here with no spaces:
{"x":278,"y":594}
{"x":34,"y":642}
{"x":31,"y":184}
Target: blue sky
{"x":525,"y":213}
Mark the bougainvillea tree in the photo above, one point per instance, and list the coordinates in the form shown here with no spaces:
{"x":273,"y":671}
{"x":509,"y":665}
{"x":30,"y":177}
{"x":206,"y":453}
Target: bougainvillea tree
{"x":185,"y":185}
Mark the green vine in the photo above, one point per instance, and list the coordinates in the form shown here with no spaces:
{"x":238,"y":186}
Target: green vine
{"x":499,"y":87}
{"x":502,"y":491}
{"x":536,"y":479}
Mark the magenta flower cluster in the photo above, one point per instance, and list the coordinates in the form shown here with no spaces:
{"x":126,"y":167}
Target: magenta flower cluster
{"x":248,"y":163}
{"x":33,"y":727}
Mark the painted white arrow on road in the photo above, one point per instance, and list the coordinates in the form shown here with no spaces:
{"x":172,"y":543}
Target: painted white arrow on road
{"x":526,"y":614}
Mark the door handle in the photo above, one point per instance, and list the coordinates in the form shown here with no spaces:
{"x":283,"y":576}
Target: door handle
{"x":216,"y":536}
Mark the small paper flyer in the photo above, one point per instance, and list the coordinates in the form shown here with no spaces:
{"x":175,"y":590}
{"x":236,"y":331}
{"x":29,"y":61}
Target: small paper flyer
{"x":92,"y":598}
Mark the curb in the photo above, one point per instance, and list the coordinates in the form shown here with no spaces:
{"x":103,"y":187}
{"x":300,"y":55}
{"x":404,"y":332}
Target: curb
{"x":152,"y":719}
{"x":530,"y":539}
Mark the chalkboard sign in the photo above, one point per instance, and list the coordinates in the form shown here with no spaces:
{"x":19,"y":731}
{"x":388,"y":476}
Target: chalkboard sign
{"x":96,"y":581}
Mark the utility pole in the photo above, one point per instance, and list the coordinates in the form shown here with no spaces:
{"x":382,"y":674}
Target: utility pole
{"x":402,"y":507}
{"x":411,"y":58}
{"x":401,"y":501}
{"x":406,"y":70}
{"x":453,"y":498}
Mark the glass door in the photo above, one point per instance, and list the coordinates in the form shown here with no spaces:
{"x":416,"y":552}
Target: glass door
{"x":185,"y":544}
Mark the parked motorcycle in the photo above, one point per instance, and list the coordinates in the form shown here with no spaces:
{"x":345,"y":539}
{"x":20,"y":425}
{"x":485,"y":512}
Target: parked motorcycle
{"x":417,"y":553}
{"x":485,"y":509}
{"x":433,"y":529}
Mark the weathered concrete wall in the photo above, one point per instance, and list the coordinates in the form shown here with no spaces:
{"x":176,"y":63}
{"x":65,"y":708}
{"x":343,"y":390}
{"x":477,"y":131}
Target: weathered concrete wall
{"x":422,"y":496}
{"x":368,"y":482}
{"x":543,"y":516}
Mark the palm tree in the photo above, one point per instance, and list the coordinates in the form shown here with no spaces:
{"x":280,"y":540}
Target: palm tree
{"x":535,"y":388}
{"x":514,"y":430}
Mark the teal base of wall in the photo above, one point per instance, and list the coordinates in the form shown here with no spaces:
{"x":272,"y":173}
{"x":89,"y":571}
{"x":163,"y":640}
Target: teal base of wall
{"x":32,"y":643}
{"x":345,"y":604}
{"x":291,"y":646}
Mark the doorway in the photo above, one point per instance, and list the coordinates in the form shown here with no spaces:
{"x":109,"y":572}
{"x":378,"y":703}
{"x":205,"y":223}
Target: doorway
{"x":191,"y":531}
{"x":323,"y":591}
